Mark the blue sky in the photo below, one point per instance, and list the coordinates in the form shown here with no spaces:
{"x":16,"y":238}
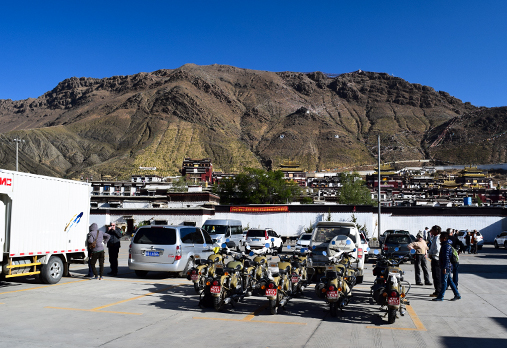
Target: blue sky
{"x":455,"y":46}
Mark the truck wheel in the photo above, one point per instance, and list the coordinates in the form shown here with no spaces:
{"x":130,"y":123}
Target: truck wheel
{"x":52,"y":272}
{"x":141,"y":274}
{"x":391,"y":315}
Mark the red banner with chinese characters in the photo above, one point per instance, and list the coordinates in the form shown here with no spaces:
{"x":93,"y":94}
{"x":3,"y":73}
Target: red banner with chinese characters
{"x":259,"y":209}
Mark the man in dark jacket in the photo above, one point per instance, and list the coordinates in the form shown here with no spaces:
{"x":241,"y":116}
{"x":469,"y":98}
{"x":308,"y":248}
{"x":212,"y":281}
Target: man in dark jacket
{"x":458,"y":245}
{"x":445,"y":256}
{"x":113,"y":246}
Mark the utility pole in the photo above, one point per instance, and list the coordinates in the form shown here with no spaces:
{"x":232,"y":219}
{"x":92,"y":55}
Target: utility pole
{"x":378,"y":186}
{"x":17,"y":141}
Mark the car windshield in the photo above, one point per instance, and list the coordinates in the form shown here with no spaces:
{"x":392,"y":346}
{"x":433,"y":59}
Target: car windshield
{"x":155,"y":235}
{"x":256,"y":233}
{"x":396,"y":239}
{"x":325,"y":234}
{"x":215,"y":229}
{"x":306,"y":237}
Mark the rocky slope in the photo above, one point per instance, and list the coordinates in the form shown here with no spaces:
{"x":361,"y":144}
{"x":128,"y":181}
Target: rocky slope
{"x":236,"y":117}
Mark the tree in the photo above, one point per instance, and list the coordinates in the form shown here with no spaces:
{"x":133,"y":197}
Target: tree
{"x":257,"y":186}
{"x":354,"y":190}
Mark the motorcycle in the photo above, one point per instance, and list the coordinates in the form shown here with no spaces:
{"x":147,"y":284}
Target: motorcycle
{"x":389,"y":289}
{"x":259,"y":264}
{"x":299,"y":276}
{"x":232,"y":282}
{"x":333,"y":286}
{"x":276,"y":285}
{"x":203,"y":269}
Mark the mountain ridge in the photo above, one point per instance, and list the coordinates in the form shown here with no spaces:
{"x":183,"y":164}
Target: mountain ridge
{"x":237,"y":117}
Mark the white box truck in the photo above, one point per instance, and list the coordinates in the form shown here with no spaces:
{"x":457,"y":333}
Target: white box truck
{"x":43,"y":225}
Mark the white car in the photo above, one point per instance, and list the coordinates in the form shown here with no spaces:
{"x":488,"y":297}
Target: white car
{"x":257,"y":239}
{"x":501,"y":240}
{"x":304,"y":240}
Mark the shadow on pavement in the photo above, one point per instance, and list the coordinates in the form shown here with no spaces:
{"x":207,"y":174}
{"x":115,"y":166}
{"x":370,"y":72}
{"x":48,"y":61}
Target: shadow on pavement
{"x":462,"y":342}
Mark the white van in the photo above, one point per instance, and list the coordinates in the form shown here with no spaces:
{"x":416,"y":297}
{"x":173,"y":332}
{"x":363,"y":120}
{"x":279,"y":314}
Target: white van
{"x":220,"y":230}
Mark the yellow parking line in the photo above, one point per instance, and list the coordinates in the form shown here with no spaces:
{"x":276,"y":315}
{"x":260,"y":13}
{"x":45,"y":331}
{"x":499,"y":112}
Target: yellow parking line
{"x":92,"y":310}
{"x":42,"y":287}
{"x":417,"y":322}
{"x":99,"y":309}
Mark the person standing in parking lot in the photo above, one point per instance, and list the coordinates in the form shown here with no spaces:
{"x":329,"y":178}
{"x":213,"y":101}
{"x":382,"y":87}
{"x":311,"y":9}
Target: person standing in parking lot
{"x":113,"y":246}
{"x":445,"y":256}
{"x":458,"y":245}
{"x":468,"y":241}
{"x":434,"y":256}
{"x":421,"y":249}
{"x":97,"y":238}
{"x":474,"y":242}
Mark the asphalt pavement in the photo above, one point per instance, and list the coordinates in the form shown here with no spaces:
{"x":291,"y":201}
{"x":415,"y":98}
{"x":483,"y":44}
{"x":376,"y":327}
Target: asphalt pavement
{"x":127,"y":311}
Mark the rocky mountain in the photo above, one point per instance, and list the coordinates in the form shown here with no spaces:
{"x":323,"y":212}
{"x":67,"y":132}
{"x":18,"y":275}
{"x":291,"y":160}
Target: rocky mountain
{"x":238,"y":118}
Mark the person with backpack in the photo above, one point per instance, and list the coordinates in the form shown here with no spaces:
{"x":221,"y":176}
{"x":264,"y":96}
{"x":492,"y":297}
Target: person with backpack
{"x":96,"y":240}
{"x":445,"y":257}
{"x":458,"y":246}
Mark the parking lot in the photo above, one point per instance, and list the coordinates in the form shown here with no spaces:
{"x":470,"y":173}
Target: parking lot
{"x":127,"y":311}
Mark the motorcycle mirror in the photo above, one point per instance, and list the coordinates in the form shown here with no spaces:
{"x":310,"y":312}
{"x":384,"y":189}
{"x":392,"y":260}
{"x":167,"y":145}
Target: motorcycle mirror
{"x":368,"y":249}
{"x":227,"y":240}
{"x":267,"y":245}
{"x":302,"y":250}
{"x":396,"y":249}
{"x":251,"y":253}
{"x":204,"y":245}
{"x":288,"y":246}
{"x":272,"y":239}
{"x":412,"y":251}
{"x":376,"y":251}
{"x":333,"y":242}
{"x":224,"y":245}
{"x":313,"y":247}
{"x":348,"y":242}
{"x":354,"y":250}
{"x":324,"y":253}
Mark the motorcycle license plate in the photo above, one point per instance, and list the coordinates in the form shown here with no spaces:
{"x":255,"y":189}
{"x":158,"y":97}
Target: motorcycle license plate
{"x":295,"y":279}
{"x":393,"y":301}
{"x":194,"y":277}
{"x":332,"y":294}
{"x":215,"y":289}
{"x":271,"y":292}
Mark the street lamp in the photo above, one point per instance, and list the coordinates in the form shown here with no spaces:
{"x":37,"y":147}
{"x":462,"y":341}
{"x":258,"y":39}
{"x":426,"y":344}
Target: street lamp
{"x":17,"y":141}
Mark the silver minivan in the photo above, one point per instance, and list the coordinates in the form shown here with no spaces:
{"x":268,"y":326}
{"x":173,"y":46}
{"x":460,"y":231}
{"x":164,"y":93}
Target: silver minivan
{"x":222,"y":229}
{"x":168,"y":249}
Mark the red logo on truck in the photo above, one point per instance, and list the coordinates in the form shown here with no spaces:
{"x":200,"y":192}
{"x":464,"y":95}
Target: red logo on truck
{"x":5,"y":182}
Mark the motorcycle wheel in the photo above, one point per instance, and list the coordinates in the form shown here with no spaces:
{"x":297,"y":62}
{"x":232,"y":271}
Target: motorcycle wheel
{"x":391,"y":315}
{"x":333,"y":306}
{"x":217,"y":303}
{"x":272,"y":306}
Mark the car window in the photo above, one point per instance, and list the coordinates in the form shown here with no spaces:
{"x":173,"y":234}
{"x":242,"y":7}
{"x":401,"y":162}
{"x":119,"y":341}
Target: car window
{"x":325,"y":234}
{"x":155,"y":235}
{"x":198,"y":238}
{"x":479,"y":233}
{"x":398,"y":239}
{"x":306,"y":237}
{"x":215,"y":229}
{"x":187,"y":235}
{"x":207,"y":238}
{"x":256,"y":233}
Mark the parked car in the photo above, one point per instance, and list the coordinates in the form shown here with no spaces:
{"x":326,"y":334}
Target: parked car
{"x":257,"y":239}
{"x":396,"y":244}
{"x":304,"y":240}
{"x":382,"y":238}
{"x":168,"y":249}
{"x":221,"y":230}
{"x":346,"y":237}
{"x":501,"y":240}
{"x":364,"y":246}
